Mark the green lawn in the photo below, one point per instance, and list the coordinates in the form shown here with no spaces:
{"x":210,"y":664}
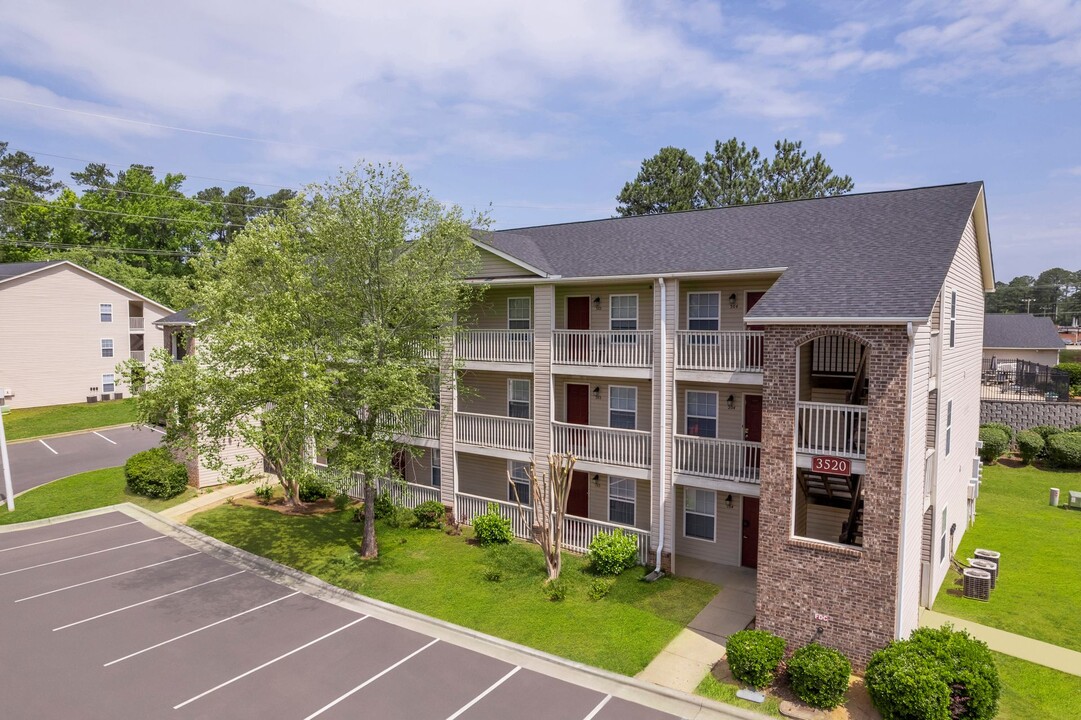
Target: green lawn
{"x":1034,"y":691}
{"x":35,"y":422}
{"x":1039,"y":585}
{"x":444,"y":576}
{"x":724,"y":692}
{"x":84,"y":491}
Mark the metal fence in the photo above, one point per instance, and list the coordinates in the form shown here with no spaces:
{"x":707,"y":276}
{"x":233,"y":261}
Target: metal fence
{"x":1021,"y":380}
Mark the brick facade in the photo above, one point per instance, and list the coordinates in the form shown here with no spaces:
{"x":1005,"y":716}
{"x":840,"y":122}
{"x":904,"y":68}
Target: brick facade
{"x":797,"y":579}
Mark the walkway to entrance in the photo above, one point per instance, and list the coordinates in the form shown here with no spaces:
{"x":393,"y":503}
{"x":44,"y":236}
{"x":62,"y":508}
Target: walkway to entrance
{"x":732,"y":609}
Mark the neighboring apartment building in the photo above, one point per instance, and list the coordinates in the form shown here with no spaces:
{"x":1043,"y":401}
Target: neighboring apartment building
{"x":63,"y":331}
{"x":1021,"y":337}
{"x":791,"y":387}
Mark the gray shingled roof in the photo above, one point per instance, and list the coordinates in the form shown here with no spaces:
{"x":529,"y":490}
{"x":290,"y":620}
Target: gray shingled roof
{"x":181,"y":317}
{"x":10,"y":270}
{"x":869,"y":255}
{"x":1020,"y":331}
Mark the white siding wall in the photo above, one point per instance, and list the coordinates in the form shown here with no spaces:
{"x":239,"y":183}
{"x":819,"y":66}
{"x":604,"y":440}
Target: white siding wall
{"x":484,"y":476}
{"x":725,"y":548}
{"x":599,"y":316}
{"x":598,"y":501}
{"x":731,"y":318}
{"x":235,"y":457}
{"x":493,"y":266}
{"x":1043,"y":357}
{"x":598,"y":407}
{"x":490,"y":312}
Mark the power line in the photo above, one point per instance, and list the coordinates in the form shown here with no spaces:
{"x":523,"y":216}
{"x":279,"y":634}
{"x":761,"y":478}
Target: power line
{"x":44,"y":245}
{"x":54,"y":206}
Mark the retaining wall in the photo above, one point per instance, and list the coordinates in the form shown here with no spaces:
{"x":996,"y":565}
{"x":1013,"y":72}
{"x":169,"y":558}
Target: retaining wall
{"x":1023,"y":415}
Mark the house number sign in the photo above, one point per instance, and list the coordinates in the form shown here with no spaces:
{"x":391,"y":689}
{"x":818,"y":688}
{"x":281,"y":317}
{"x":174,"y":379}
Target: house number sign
{"x":831,"y":465}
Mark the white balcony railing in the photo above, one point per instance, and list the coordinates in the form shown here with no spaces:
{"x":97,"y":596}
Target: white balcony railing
{"x":722,"y":459}
{"x":422,"y":423}
{"x":135,"y":323}
{"x":733,"y":351}
{"x":603,"y":445}
{"x":606,"y":348}
{"x":508,"y":346}
{"x":467,"y":507}
{"x":138,"y":355}
{"x":831,"y":429}
{"x":579,"y":532}
{"x":406,"y":494}
{"x":494,"y":431}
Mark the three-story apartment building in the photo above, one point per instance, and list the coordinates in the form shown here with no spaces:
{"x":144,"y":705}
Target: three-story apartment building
{"x":791,"y":387}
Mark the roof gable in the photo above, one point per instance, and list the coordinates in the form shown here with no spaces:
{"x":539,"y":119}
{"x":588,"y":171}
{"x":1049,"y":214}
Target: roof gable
{"x":72,"y":267}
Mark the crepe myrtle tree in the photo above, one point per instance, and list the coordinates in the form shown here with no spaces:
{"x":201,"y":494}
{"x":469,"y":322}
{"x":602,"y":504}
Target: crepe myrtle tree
{"x":388,"y":264}
{"x":548,"y":496}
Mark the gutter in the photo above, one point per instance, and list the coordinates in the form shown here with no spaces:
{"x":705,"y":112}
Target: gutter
{"x":657,"y":572}
{"x":904,"y":485}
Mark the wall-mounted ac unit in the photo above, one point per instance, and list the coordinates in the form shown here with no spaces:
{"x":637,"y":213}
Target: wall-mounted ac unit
{"x":973,"y":489}
{"x":8,"y":392}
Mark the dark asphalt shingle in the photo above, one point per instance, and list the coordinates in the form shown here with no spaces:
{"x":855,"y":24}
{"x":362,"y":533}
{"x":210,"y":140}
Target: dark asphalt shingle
{"x":1020,"y":331}
{"x":10,"y":270}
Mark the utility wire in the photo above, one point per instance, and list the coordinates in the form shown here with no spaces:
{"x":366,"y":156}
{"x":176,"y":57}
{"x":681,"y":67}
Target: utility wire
{"x":54,"y":206}
{"x":93,"y":248}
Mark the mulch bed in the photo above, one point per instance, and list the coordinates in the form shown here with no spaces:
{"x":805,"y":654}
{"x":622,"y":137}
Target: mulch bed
{"x":318,"y":507}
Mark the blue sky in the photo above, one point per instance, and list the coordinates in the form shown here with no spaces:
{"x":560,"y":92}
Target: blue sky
{"x":539,"y":112}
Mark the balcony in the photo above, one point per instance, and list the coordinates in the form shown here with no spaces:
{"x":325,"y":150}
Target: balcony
{"x":135,"y":323}
{"x":514,"y":436}
{"x":586,"y":350}
{"x":734,"y":460}
{"x":421,"y":427}
{"x":494,"y":347}
{"x":138,"y":355}
{"x":831,"y":429}
{"x":602,"y":445}
{"x":720,"y":352}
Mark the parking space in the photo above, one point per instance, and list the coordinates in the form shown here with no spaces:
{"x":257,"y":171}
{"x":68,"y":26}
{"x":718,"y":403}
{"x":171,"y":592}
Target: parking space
{"x":105,"y":617}
{"x":36,"y":462}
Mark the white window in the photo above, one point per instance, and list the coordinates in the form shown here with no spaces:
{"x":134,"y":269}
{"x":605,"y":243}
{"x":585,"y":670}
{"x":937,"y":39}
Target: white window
{"x":105,"y":310}
{"x":518,"y":315}
{"x":949,"y":425}
{"x":518,"y":398}
{"x":953,"y":317}
{"x":519,"y":475}
{"x":621,"y":500}
{"x":624,"y":312}
{"x":106,"y":347}
{"x":108,"y":383}
{"x":622,"y":407}
{"x":942,"y":537}
{"x":703,"y":311}
{"x":437,"y":471}
{"x":699,"y":513}
{"x":702,"y":414}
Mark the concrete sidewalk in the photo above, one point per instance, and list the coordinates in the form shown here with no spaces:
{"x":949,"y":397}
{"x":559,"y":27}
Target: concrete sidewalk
{"x":1007,"y":643}
{"x":217,"y":496}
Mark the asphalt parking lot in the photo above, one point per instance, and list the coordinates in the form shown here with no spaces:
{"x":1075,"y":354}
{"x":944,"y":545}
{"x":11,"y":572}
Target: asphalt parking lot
{"x":106,"y":617}
{"x":36,"y":462}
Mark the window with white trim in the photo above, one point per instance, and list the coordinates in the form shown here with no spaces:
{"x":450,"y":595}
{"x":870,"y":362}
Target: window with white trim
{"x":519,"y":316}
{"x":703,"y":311}
{"x":437,"y":470}
{"x":106,"y":347}
{"x":953,"y":318}
{"x":623,"y":315}
{"x":942,"y":537}
{"x":701,"y":414}
{"x":105,"y":312}
{"x":621,"y":492}
{"x":519,"y":475}
{"x":519,"y":398}
{"x":699,"y":513}
{"x":949,"y":426}
{"x":108,"y":383}
{"x":622,"y":407}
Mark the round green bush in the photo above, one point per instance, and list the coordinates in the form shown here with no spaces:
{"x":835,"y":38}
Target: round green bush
{"x":937,"y":674}
{"x":155,"y":474}
{"x":1064,"y":450}
{"x":491,"y":528}
{"x":1075,"y":429}
{"x":819,"y":675}
{"x":313,"y":488}
{"x":1046,"y":431}
{"x":754,"y":655}
{"x":1001,"y":426}
{"x":1030,"y":445}
{"x":612,"y":553}
{"x":384,"y":505}
{"x":995,"y":444}
{"x":430,"y":514}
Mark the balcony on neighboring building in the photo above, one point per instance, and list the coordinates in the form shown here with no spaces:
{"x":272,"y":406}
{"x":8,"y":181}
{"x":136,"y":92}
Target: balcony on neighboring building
{"x":495,"y":349}
{"x":497,"y":435}
{"x":593,"y":352}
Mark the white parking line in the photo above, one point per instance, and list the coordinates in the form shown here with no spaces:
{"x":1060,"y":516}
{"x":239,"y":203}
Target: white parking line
{"x":480,"y":697}
{"x":88,"y":532}
{"x":76,"y":557}
{"x":600,"y":706}
{"x":205,"y":627}
{"x":104,"y":438}
{"x":107,"y":577}
{"x":369,"y":681}
{"x":48,"y":448}
{"x":144,"y":602}
{"x":155,"y":429}
{"x":269,"y":662}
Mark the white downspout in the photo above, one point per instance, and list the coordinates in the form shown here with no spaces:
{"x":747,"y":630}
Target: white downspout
{"x":904,"y":486}
{"x":663,"y":428}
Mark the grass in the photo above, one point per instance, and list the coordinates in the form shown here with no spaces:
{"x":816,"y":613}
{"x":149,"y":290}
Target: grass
{"x":714,"y":689}
{"x":20,"y":424}
{"x":1070,"y":355}
{"x":1039,"y":585}
{"x":84,"y":491}
{"x":1034,"y":691}
{"x":444,"y":576}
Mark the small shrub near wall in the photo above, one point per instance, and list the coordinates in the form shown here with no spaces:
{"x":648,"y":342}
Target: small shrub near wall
{"x":1064,"y":450}
{"x":754,"y":656}
{"x":819,"y":675}
{"x":491,"y":528}
{"x":995,"y":443}
{"x":1004,"y":428}
{"x":155,"y":474}
{"x":430,"y":514}
{"x":612,"y":553}
{"x":1030,"y":445}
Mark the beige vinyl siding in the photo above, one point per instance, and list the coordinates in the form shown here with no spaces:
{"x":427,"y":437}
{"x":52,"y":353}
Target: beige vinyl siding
{"x":418,"y":468}
{"x":51,"y":348}
{"x":598,"y":501}
{"x":490,"y":312}
{"x":663,"y":416}
{"x":729,"y":422}
{"x":486,"y":392}
{"x":599,"y":317}
{"x":493,"y":266}
{"x":235,"y":456}
{"x":731,"y":319}
{"x":483,"y":476}
{"x":824,"y":522}
{"x":1043,"y":357}
{"x":598,"y":408}
{"x":543,"y":311}
{"x":726,"y":546}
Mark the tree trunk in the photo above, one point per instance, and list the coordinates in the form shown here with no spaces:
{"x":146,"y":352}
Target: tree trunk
{"x":369,"y":548}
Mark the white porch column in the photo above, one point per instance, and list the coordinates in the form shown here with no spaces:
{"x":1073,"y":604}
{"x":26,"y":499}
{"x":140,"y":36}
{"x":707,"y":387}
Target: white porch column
{"x":448,"y":405}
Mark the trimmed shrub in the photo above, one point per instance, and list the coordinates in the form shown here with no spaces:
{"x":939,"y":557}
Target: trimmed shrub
{"x":155,"y":474}
{"x":599,"y":589}
{"x":314,"y":488}
{"x":556,"y":590}
{"x":995,"y":444}
{"x":1030,"y":445}
{"x":937,"y":674}
{"x":754,"y":655}
{"x":401,"y":517}
{"x":1046,"y":431}
{"x":612,"y":553}
{"x":1074,"y":429}
{"x":491,"y":528}
{"x":1075,"y":374}
{"x":341,"y":501}
{"x":819,"y":675}
{"x":384,"y":505}
{"x":264,"y":493}
{"x":1064,"y":450}
{"x":1000,"y":426}
{"x":430,"y":514}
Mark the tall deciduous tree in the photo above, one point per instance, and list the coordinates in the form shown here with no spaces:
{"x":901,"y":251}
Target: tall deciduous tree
{"x":670,"y":180}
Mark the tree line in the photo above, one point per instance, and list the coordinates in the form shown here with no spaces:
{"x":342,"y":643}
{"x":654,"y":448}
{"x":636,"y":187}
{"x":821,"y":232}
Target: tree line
{"x":1054,"y":293}
{"x":134,"y":226}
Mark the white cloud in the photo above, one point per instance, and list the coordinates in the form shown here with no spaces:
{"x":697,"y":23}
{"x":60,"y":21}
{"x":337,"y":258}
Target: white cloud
{"x":830,"y":138}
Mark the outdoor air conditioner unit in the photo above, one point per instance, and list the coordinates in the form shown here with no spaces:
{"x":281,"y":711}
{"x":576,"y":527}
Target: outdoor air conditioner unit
{"x":973,"y":489}
{"x":1075,"y":500}
{"x":8,"y":392}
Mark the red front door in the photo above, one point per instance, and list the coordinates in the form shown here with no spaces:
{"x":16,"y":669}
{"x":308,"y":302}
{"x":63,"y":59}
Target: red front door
{"x":749,"y":554}
{"x":578,"y":501}
{"x":577,"y":404}
{"x":578,"y":319}
{"x":754,"y":344}
{"x":752,"y":425}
